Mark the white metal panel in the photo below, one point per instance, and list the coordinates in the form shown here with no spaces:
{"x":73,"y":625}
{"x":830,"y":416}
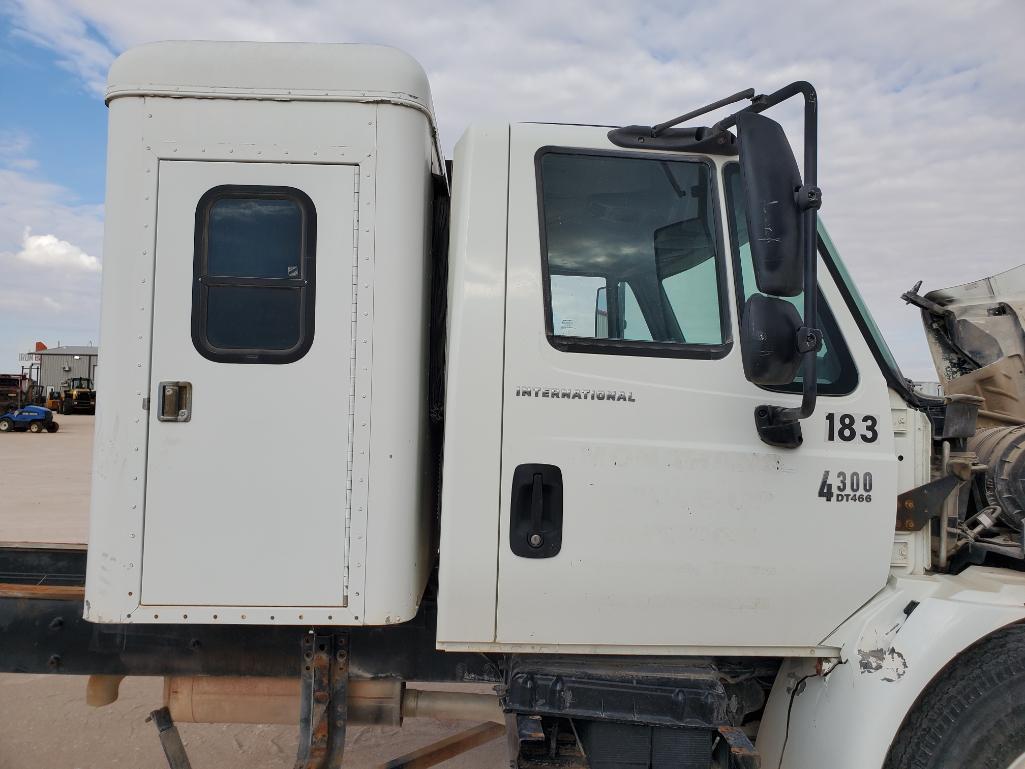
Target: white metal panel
{"x":912,"y":431}
{"x":239,"y":510}
{"x":887,"y":659}
{"x":263,"y":130}
{"x":473,"y":396}
{"x":400,"y":497}
{"x":289,"y":104}
{"x":280,"y":72}
{"x":180,"y":67}
{"x":681,"y":528}
{"x":113,"y":571}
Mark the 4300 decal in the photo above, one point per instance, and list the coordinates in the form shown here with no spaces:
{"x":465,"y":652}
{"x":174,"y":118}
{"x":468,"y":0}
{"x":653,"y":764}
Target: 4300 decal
{"x":850,"y":487}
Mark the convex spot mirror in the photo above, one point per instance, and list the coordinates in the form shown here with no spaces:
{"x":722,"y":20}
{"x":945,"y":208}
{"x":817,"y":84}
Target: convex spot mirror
{"x":768,"y":340}
{"x":771,"y":180}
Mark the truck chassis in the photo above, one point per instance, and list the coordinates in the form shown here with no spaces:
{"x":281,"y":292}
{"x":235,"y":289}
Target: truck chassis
{"x":694,"y":705}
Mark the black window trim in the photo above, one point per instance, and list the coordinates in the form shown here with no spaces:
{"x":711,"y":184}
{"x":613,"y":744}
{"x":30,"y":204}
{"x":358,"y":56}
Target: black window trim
{"x":647,"y":349}
{"x":895,"y":380}
{"x":847,"y":384}
{"x":305,"y":283}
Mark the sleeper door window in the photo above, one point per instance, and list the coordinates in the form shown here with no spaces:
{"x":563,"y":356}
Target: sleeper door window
{"x":835,"y":368}
{"x":253,"y":288}
{"x":630,"y":254}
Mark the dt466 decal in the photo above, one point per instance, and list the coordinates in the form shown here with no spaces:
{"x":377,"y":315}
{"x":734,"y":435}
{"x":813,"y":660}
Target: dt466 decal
{"x":849,"y":486}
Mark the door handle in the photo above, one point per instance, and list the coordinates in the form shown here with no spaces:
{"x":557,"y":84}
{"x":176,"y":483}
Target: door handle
{"x":535,"y":525}
{"x":175,"y":402}
{"x":537,"y":507}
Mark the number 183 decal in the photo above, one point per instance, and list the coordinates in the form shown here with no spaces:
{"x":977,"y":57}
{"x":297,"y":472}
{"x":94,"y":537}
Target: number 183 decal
{"x":850,"y":486}
{"x":852,"y":427}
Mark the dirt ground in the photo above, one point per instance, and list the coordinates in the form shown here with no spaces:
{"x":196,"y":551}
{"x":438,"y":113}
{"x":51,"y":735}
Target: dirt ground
{"x":44,"y":487}
{"x":44,"y":721}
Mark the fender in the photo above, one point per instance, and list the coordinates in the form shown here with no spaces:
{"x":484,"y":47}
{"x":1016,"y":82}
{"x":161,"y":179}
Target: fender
{"x":845,"y":712}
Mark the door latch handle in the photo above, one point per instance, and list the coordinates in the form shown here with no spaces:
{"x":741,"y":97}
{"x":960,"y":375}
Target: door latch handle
{"x":537,"y":505}
{"x":535,"y":523}
{"x":175,"y":399}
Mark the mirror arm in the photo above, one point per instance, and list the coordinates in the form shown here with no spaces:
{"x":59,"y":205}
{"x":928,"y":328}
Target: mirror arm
{"x":810,"y":199}
{"x":776,"y":419}
{"x":747,"y":93}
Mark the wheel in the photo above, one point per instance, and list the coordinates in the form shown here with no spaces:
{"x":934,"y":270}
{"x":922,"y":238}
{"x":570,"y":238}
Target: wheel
{"x":6,"y":425}
{"x":35,"y":427}
{"x":972,"y":716}
{"x":52,"y":427}
{"x":67,"y":406}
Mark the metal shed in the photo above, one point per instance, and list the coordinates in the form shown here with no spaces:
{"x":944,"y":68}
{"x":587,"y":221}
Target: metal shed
{"x":58,"y":364}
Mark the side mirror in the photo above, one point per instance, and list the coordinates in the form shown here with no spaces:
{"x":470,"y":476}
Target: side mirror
{"x":774,"y":217}
{"x":768,"y":340}
{"x":781,"y":214}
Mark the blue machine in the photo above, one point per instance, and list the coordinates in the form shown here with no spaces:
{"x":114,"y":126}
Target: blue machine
{"x":35,"y":419}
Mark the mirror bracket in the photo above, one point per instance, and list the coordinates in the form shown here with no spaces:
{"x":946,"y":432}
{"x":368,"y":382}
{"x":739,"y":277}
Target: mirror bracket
{"x":808,"y":340}
{"x":777,"y":427}
{"x":809,"y":197}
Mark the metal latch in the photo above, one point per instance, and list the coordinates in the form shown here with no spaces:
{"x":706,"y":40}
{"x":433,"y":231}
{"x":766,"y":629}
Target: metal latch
{"x":175,"y":399}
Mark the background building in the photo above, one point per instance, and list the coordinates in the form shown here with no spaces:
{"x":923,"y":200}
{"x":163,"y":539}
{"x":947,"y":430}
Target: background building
{"x":56,"y":365}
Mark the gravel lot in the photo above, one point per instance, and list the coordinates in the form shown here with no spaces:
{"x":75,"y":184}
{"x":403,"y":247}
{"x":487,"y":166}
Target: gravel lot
{"x":45,"y":483}
{"x":44,"y":721}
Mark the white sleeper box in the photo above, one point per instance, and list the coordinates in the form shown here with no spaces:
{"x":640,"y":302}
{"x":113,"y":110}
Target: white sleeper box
{"x":266,"y":253}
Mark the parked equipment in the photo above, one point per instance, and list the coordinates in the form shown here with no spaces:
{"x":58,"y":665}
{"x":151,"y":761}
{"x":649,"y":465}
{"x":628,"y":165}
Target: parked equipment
{"x":605,"y":437}
{"x":34,"y":419}
{"x":13,"y":391}
{"x":52,"y":400}
{"x":78,"y":395}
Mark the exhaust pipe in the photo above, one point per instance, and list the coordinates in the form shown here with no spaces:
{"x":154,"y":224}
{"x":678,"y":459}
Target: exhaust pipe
{"x":371,"y":702}
{"x":455,"y":706}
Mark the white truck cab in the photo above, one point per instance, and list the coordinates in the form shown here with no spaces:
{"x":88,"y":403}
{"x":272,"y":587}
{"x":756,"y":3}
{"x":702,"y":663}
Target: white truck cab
{"x":534,"y":416}
{"x":681,"y":531}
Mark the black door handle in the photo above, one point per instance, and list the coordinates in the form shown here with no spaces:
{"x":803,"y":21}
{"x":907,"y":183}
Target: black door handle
{"x":537,"y":505}
{"x":535,"y":526}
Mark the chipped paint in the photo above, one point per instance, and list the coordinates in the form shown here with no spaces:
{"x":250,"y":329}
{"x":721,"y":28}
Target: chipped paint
{"x":890,"y":663}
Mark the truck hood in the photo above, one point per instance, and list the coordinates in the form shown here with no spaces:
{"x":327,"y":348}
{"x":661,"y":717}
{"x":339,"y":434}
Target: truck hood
{"x":976,"y":337}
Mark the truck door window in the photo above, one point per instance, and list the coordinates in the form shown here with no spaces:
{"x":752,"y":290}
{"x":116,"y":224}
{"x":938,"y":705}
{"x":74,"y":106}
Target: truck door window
{"x":643,"y":228}
{"x":580,"y":308}
{"x":253,"y":274}
{"x":837,"y":374}
{"x":634,"y":324}
{"x":574,"y":304}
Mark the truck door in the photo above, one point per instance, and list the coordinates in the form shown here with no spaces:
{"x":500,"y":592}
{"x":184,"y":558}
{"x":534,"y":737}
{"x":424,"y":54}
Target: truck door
{"x":249,"y":407}
{"x":638,"y":506}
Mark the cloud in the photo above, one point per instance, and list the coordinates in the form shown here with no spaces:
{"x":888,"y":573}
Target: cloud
{"x":51,"y":251}
{"x":14,"y":148}
{"x":64,"y":28}
{"x":920,"y":161}
{"x":50,"y":286}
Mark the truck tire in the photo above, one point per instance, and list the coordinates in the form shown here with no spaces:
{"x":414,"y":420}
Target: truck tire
{"x":972,"y":715}
{"x":6,"y":425}
{"x":67,"y":406}
{"x":52,"y":427}
{"x":35,"y":427}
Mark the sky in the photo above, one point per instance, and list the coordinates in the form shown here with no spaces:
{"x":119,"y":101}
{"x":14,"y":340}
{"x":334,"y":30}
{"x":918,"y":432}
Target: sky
{"x":921,"y":117}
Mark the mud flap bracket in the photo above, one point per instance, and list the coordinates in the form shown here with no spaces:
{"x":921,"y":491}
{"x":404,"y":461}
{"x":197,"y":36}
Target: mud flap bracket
{"x":322,"y":706}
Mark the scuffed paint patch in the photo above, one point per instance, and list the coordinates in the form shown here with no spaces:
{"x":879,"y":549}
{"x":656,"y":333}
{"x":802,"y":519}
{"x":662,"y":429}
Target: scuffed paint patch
{"x":889,"y":663}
